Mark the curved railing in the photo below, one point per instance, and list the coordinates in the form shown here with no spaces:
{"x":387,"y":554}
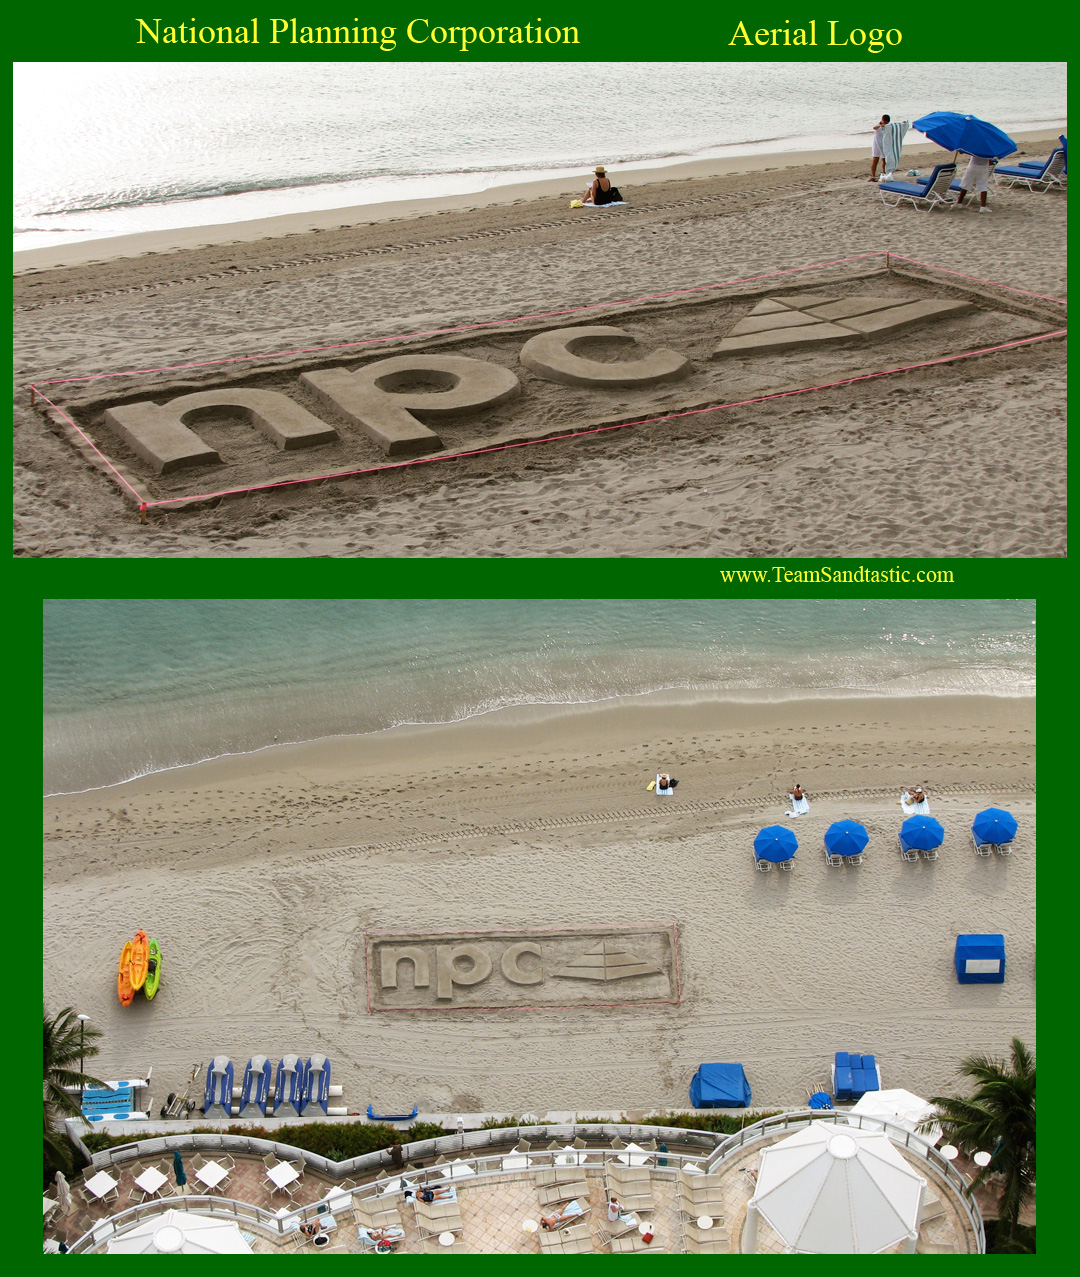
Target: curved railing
{"x":915,"y":1144}
{"x":462,"y":1145}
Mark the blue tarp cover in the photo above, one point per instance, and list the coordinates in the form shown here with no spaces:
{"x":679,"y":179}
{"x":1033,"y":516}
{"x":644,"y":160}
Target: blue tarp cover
{"x":720,"y":1086}
{"x":980,"y":959}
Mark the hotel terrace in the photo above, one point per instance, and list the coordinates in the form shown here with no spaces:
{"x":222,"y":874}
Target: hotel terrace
{"x":689,"y":1196}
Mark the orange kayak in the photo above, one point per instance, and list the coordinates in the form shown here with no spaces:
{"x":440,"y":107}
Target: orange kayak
{"x":140,"y":959}
{"x":123,"y":977}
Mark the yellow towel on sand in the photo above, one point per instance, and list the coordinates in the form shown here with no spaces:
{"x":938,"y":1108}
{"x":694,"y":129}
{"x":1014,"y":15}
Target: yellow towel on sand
{"x":651,"y":785}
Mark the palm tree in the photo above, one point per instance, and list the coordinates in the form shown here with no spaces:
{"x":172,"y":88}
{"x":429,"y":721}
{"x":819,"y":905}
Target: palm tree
{"x":66,"y":1043}
{"x":1000,"y":1118}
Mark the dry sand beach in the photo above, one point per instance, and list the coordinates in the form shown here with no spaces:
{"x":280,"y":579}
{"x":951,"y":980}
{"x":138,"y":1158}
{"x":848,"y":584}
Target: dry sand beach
{"x":261,"y":875}
{"x":960,"y":459}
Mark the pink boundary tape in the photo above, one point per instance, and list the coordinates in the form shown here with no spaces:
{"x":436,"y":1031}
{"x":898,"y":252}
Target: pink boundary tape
{"x":371,"y":936}
{"x":493,"y":323}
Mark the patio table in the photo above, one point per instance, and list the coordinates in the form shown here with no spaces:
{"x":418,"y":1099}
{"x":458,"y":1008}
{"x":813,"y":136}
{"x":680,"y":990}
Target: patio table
{"x":101,"y":1185}
{"x":151,"y":1180}
{"x":48,"y":1205}
{"x":282,"y":1174}
{"x":633,"y":1155}
{"x":211,"y":1174}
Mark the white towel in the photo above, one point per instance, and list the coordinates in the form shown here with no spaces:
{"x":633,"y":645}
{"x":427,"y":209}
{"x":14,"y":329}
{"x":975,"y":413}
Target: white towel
{"x":799,"y":806}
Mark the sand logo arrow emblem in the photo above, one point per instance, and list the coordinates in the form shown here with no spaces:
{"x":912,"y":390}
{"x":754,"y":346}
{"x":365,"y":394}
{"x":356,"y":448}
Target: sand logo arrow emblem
{"x":606,"y":961}
{"x":779,"y":323}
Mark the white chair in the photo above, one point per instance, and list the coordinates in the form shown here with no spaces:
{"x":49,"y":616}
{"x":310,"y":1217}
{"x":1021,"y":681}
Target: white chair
{"x":929,"y":853}
{"x":908,"y":853}
{"x":854,"y":860}
{"x":787,"y":864}
{"x":763,"y":865}
{"x":832,"y":859}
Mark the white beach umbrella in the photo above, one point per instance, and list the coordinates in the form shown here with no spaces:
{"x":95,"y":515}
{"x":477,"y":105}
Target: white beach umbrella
{"x":63,"y":1191}
{"x":900,"y":1107}
{"x":181,"y":1232}
{"x":830,"y":1191}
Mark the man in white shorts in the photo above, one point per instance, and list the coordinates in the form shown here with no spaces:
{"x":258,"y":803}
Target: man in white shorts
{"x":976,"y":178}
{"x":877,"y":149}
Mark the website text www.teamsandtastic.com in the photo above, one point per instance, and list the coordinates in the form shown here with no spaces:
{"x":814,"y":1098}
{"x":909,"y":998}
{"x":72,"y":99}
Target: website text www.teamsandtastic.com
{"x":827,"y":574}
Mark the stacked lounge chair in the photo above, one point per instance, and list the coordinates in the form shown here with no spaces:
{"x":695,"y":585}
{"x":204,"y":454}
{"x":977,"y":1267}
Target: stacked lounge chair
{"x":439,"y":1216}
{"x":558,"y":1184}
{"x":574,"y":1239}
{"x":853,"y":1075}
{"x":699,"y":1196}
{"x":631,"y":1185}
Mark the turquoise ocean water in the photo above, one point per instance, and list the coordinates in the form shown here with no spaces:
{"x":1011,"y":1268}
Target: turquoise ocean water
{"x":113,"y":148}
{"x":137,"y":686}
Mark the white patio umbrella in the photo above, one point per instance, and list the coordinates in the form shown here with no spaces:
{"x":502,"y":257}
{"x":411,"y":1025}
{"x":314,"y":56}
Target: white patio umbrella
{"x":827,"y":1190}
{"x":900,"y":1107}
{"x":63,"y":1191}
{"x":181,"y":1232}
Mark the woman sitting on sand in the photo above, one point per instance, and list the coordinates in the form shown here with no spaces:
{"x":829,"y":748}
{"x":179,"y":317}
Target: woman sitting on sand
{"x":914,"y":801}
{"x":572,"y":1210}
{"x":601,"y":191}
{"x":800,"y":801}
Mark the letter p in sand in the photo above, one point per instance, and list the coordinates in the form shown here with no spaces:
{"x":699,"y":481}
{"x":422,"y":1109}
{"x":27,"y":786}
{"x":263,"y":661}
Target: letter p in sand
{"x":381,"y":397}
{"x":448,"y":973}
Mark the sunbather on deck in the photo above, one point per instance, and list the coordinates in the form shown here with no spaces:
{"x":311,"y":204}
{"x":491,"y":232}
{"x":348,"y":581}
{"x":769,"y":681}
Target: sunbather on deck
{"x":572,"y":1210}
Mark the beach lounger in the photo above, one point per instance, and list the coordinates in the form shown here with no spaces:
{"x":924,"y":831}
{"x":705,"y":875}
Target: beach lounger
{"x":431,"y":1222}
{"x":930,"y":853}
{"x":432,"y":1246}
{"x":762,"y":864}
{"x":787,"y":864}
{"x":556,"y":1175}
{"x":372,"y":1213}
{"x":707,"y":1241}
{"x":831,"y":859}
{"x":854,"y":860}
{"x":933,"y":193}
{"x":610,"y":1231}
{"x":632,"y":1244}
{"x":575,"y":1239}
{"x":1042,"y":176}
{"x":981,"y":848}
{"x":908,"y":853}
{"x":554,"y":1194}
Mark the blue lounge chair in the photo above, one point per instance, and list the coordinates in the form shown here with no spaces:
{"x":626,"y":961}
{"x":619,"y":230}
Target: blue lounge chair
{"x":928,"y":194}
{"x":1042,"y":175}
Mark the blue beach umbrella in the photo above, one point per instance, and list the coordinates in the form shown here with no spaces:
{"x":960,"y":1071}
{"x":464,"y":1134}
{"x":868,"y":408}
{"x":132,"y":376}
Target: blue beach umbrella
{"x":775,"y":843}
{"x":994,"y":825}
{"x":178,"y":1168}
{"x":846,"y":838}
{"x":967,"y":133}
{"x":923,"y":832}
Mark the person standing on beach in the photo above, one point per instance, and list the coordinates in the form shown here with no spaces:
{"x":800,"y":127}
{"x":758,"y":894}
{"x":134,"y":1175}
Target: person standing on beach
{"x":877,"y":149}
{"x":976,"y":178}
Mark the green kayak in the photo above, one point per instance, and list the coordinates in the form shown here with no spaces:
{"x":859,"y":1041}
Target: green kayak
{"x":153,"y":974}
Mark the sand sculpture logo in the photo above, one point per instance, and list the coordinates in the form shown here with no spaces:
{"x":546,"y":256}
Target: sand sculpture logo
{"x":223,"y":432}
{"x":457,"y":970}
